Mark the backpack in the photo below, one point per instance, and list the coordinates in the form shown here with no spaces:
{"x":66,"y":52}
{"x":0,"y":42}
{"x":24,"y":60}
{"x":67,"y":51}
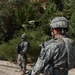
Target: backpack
{"x":70,"y":53}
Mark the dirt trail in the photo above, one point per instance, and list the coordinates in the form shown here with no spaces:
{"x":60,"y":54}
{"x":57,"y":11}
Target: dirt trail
{"x":8,"y":68}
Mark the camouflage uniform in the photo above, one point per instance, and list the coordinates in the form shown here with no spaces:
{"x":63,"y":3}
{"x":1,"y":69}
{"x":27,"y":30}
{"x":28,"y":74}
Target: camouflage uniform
{"x":53,"y":58}
{"x":22,"y":51}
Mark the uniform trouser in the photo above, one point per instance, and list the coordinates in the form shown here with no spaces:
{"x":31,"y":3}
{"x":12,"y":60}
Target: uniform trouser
{"x":60,"y":72}
{"x":22,"y":62}
{"x":55,"y":72}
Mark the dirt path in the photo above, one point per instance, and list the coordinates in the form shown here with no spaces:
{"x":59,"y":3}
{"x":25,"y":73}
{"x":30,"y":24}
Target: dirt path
{"x":3,"y":73}
{"x":7,"y":68}
{"x":72,"y":72}
{"x":15,"y":71}
{"x":11,"y":70}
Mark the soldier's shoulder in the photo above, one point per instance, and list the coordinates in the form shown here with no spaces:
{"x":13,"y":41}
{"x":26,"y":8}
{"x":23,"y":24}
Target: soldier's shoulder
{"x":46,"y":43}
{"x":70,"y":40}
{"x":25,"y":41}
{"x":51,"y":44}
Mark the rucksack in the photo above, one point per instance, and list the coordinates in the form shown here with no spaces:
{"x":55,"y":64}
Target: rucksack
{"x":70,"y":53}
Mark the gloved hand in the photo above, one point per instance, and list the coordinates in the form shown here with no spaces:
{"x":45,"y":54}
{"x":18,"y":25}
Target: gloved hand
{"x":21,"y":52}
{"x":29,"y":73}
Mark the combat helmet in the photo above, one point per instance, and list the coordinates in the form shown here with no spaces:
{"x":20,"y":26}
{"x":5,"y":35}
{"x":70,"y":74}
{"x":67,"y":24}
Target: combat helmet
{"x":23,"y":36}
{"x":59,"y":22}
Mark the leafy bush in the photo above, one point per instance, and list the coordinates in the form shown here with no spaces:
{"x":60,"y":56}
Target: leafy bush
{"x":7,"y":50}
{"x":71,"y":32}
{"x":6,"y":20}
{"x":19,"y":13}
{"x":35,"y":38}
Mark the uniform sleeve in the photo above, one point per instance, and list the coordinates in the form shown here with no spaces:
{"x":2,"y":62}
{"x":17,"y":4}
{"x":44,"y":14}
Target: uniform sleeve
{"x":44,"y":57}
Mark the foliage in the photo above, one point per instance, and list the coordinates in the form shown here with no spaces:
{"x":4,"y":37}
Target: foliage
{"x":21,"y":16}
{"x":6,"y":19}
{"x":26,"y":13}
{"x":7,"y":50}
{"x":36,"y":38}
{"x":71,"y":32}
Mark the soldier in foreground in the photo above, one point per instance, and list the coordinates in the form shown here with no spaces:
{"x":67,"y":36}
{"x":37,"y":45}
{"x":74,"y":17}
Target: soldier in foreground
{"x":22,"y":50}
{"x":57,"y":55}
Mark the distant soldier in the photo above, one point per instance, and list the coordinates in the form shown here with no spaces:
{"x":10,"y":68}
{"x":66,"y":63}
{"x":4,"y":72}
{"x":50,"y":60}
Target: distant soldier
{"x":57,"y":55}
{"x":22,"y":50}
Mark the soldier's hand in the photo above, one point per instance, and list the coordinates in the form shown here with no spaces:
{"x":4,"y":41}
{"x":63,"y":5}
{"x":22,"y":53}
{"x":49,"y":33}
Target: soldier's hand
{"x":29,"y":73}
{"x":21,"y":52}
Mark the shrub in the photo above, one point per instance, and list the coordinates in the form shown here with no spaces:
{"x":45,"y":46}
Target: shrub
{"x":8,"y":50}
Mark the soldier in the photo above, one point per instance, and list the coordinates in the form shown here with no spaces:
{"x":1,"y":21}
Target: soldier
{"x":56,"y":56}
{"x":22,"y":50}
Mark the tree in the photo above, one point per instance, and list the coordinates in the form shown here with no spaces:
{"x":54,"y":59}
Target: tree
{"x":6,"y":16}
